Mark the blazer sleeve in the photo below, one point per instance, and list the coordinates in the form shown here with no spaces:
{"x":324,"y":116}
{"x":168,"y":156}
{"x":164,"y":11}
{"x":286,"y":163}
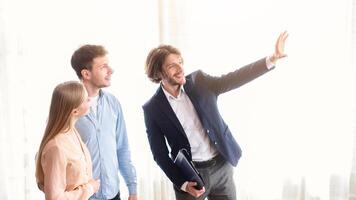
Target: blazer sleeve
{"x":160,"y":151}
{"x":236,"y":78}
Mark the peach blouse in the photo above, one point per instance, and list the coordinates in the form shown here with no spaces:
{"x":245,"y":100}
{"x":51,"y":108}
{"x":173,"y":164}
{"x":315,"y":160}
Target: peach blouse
{"x":67,"y":168}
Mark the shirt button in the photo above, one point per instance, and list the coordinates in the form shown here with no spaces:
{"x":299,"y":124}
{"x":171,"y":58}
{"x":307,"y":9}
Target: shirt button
{"x":207,"y":130}
{"x":215,"y":143}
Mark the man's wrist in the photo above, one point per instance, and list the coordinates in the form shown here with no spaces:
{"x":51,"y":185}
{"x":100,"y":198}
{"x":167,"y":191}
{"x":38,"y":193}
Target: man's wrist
{"x":269,"y":63}
{"x":273,"y":59}
{"x":132,"y":190}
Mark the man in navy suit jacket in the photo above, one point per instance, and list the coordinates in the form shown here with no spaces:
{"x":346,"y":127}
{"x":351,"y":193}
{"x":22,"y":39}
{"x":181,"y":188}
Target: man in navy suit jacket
{"x":183,"y":113}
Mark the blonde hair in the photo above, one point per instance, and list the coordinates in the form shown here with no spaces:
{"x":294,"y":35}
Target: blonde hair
{"x":65,"y":97}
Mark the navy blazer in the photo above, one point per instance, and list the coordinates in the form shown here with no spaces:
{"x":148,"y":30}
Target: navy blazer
{"x":162,"y":125}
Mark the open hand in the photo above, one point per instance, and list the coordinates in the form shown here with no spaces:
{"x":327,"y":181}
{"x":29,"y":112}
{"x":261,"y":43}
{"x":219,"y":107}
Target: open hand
{"x":279,"y":48}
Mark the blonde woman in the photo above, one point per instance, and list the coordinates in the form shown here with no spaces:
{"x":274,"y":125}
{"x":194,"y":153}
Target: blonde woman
{"x":63,"y":164}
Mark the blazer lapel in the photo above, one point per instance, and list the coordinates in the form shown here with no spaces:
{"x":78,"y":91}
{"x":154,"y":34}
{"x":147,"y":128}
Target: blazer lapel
{"x":191,"y":95}
{"x":162,"y":102}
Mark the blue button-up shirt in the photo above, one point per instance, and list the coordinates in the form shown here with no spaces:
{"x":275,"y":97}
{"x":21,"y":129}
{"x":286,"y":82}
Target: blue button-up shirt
{"x":106,"y":138}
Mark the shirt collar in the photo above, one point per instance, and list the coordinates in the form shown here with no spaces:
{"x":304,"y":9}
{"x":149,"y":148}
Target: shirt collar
{"x":100,"y":93}
{"x":169,"y":96}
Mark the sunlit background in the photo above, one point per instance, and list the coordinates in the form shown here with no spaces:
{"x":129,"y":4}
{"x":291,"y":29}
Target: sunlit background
{"x":296,"y":124}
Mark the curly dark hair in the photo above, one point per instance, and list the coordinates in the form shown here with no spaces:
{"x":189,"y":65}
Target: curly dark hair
{"x":155,"y":60}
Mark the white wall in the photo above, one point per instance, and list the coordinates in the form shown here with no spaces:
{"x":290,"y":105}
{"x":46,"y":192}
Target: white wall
{"x":296,"y":121}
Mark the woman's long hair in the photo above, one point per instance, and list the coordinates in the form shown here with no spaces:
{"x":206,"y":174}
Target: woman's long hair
{"x":66,"y":97}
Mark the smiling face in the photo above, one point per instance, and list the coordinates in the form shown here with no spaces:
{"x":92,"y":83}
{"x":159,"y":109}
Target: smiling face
{"x":172,"y":71}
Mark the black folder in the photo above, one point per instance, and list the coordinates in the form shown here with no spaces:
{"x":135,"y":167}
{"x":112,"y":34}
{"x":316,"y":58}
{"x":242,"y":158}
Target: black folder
{"x":190,"y":173}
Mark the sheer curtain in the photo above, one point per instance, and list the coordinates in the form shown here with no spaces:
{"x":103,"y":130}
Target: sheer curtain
{"x":352,"y":195}
{"x":37,"y":39}
{"x":295,"y":124}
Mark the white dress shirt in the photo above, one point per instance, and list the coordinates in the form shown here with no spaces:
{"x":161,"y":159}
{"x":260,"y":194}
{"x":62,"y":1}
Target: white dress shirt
{"x":201,"y":147}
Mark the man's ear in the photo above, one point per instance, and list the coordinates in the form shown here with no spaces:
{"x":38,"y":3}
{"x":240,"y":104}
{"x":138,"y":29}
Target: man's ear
{"x":85,"y":73}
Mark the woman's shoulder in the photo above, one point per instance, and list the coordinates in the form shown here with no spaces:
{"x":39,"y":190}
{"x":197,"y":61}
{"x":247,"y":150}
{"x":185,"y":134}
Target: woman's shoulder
{"x":55,"y":144}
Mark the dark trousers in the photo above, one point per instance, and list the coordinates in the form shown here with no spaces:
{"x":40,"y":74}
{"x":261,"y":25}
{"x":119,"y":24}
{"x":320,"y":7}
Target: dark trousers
{"x":219,"y":183}
{"x":117,"y":197}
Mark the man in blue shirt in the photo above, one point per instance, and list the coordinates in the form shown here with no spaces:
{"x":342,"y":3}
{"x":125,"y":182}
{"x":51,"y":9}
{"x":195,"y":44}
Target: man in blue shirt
{"x":103,"y":130}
